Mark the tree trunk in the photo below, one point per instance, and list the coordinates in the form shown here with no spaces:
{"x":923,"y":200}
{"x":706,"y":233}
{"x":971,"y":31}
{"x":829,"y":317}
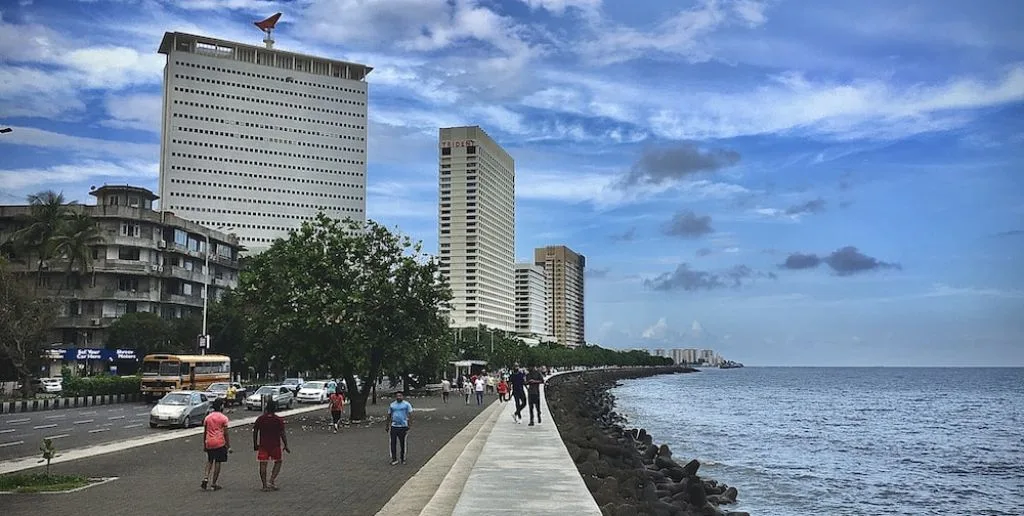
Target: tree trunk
{"x":26,"y":385}
{"x":357,"y":406}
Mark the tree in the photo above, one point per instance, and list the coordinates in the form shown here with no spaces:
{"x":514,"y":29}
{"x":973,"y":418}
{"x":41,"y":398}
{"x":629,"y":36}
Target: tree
{"x":348,"y":298}
{"x":145,"y":332}
{"x":25,"y":323}
{"x":47,"y":212}
{"x":183,"y":334}
{"x":226,"y":326}
{"x":74,"y":241}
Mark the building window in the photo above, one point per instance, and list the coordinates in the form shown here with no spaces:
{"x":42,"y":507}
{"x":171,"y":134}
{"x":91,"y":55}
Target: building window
{"x":471,"y":149}
{"x":447,"y":151}
{"x":128,"y":253}
{"x":127,"y":283}
{"x":130,"y":230}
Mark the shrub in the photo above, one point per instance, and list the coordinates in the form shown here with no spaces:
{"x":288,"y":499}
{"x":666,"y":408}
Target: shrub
{"x":98,"y":385}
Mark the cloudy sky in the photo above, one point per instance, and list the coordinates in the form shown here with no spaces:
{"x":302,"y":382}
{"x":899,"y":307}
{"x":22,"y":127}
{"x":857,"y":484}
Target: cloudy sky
{"x":816,"y":183}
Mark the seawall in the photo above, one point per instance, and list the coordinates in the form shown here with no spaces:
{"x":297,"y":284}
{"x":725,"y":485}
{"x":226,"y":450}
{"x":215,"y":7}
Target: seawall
{"x":624,"y":470}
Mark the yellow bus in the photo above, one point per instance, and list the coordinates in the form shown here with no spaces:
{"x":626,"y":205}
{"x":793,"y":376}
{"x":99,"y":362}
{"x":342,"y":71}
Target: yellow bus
{"x":163,"y":373}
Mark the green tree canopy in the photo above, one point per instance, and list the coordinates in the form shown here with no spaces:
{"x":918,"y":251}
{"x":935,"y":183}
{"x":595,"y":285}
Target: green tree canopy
{"x":145,"y":332}
{"x":25,"y":323}
{"x":346,"y":298}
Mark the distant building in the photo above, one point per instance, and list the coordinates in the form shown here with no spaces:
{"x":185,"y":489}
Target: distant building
{"x":531,"y":301}
{"x":260,"y":139}
{"x":564,"y":269}
{"x":476,"y":228}
{"x":148,"y":262}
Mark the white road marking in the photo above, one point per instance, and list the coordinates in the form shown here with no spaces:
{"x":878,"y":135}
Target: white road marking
{"x":115,"y":417}
{"x":17,"y":421}
{"x":8,"y":431}
{"x":58,"y":436}
{"x":40,"y":427}
{"x":84,"y":421}
{"x":98,"y":430}
{"x":90,"y":413}
{"x":56,"y":417}
{"x":14,"y":443}
{"x":132,"y":426}
{"x":144,"y":414}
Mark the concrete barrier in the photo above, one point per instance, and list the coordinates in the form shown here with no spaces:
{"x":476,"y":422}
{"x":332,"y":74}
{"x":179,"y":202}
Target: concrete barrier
{"x":10,"y":407}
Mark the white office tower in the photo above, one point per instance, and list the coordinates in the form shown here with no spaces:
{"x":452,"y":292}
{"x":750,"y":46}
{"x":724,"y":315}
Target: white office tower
{"x":256,"y":141}
{"x":531,"y":301}
{"x":476,"y":228}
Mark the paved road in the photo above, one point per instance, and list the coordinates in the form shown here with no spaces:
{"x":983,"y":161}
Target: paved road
{"x":22,"y":433}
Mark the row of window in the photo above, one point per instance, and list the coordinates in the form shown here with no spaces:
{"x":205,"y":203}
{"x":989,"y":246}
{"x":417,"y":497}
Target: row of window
{"x":272,"y":140}
{"x":264,"y":164}
{"x":262,"y":201}
{"x":245,"y":226}
{"x":199,"y":209}
{"x":270,"y":152}
{"x":266,"y":177}
{"x":258,"y":100}
{"x":269,"y":77}
{"x":265,"y":189}
{"x":265,"y":126}
{"x":270,"y":115}
{"x":270,"y":90}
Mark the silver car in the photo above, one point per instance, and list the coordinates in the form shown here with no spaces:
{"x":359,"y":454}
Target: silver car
{"x":282,"y":396}
{"x":180,"y":408}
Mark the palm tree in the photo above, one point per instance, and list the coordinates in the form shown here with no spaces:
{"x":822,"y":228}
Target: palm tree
{"x":48,"y":211}
{"x":74,"y":242}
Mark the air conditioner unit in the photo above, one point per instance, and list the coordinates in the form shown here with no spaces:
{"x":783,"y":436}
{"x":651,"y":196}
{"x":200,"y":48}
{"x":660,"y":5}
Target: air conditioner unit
{"x":95,"y":322}
{"x":162,"y":244}
{"x":154,"y":267}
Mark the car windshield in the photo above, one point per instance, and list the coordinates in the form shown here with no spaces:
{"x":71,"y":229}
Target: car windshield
{"x":175,"y":399}
{"x":266,"y":389}
{"x":161,"y":368}
{"x":218,"y":387}
{"x":313,"y":385}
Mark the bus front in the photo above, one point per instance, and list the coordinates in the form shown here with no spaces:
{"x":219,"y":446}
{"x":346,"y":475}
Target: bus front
{"x":160,"y":374}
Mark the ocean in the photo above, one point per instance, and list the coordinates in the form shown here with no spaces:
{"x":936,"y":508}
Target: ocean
{"x":845,"y":441}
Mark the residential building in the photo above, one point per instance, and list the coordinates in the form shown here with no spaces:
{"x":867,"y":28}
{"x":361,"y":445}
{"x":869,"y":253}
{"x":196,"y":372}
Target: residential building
{"x":259,"y":139}
{"x":531,"y":301}
{"x":148,"y":262}
{"x":564,"y":269}
{"x":476,"y":228}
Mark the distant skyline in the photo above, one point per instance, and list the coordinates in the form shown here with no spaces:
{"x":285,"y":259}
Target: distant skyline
{"x":816,"y":183}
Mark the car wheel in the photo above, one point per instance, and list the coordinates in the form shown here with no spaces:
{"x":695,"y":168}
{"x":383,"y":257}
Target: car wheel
{"x":152,"y":425}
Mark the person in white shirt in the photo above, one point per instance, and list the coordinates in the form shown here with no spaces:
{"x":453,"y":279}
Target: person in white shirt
{"x":480,"y":384}
{"x":446,"y":390}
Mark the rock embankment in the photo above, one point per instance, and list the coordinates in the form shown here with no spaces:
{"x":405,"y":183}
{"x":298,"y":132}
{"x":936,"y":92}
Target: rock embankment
{"x":626,"y":472}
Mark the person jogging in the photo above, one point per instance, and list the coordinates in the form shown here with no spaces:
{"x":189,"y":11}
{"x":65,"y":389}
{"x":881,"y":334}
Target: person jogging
{"x":267,"y":437}
{"x":216,"y":443}
{"x":533,"y":381}
{"x":518,"y":381}
{"x":336,"y":405}
{"x":398,"y":411}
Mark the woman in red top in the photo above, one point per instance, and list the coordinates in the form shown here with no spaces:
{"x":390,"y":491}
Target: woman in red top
{"x":502,"y":390}
{"x":337,"y":404}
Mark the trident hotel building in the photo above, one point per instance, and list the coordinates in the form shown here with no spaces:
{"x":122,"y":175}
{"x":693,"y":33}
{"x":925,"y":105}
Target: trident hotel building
{"x":256,"y":141}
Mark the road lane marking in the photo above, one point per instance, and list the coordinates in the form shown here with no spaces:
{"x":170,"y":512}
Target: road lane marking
{"x":58,"y":436}
{"x":132,"y":426}
{"x":8,"y":431}
{"x":14,"y":443}
{"x":56,"y":417}
{"x":115,"y":417}
{"x":40,"y":427}
{"x":84,"y":421}
{"x":144,"y":414}
{"x":18,"y":421}
{"x":90,"y":413}
{"x":99,"y":430}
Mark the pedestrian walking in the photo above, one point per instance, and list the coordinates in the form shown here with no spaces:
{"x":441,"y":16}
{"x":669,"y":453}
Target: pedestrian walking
{"x":216,"y":443}
{"x":518,"y":381}
{"x":268,"y":434}
{"x":467,"y":391}
{"x":533,"y":382}
{"x":446,"y":390}
{"x":479,"y":386}
{"x":503,"y":391}
{"x":336,"y":405}
{"x":398,"y":428}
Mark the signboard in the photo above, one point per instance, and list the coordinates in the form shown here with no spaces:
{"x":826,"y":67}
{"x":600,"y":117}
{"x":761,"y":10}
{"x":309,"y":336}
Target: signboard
{"x":89,"y":354}
{"x":204,"y":341}
{"x":445,"y":144}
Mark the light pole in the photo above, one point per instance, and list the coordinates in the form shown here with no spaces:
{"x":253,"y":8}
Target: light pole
{"x":206,"y":293}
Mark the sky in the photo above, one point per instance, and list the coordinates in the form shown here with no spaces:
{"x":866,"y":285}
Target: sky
{"x":787,"y":182}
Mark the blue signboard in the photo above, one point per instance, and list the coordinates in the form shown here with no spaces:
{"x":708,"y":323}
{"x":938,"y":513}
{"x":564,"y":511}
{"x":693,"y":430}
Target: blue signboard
{"x":90,"y":354}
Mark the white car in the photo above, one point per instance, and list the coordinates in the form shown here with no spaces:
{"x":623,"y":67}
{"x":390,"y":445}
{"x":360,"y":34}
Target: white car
{"x":281,"y":395}
{"x":313,"y":392}
{"x":51,"y":385}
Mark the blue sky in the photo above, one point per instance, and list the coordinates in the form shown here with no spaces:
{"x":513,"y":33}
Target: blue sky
{"x":816,"y":183}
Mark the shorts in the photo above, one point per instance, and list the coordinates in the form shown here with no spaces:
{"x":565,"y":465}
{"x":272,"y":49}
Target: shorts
{"x":272,"y":454}
{"x":335,"y":416}
{"x":217,"y":454}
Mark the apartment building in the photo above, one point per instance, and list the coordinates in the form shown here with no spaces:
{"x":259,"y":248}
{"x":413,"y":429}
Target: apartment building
{"x":531,"y":301}
{"x":148,"y":262}
{"x":476,"y":227}
{"x":564,"y":271}
{"x":260,"y":139}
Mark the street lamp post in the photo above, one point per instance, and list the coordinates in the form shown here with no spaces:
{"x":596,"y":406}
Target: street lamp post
{"x":206,"y":293}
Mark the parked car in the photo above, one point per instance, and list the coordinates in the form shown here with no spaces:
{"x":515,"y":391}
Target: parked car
{"x":294,"y":384}
{"x":180,"y":408}
{"x":220,"y":390}
{"x":281,"y":395}
{"x":51,"y":385}
{"x":313,"y":392}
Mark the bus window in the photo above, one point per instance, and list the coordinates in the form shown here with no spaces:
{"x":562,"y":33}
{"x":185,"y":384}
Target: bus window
{"x":161,"y":368}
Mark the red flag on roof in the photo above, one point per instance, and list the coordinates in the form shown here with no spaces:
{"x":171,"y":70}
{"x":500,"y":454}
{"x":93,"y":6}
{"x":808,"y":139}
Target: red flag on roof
{"x":269,"y":23}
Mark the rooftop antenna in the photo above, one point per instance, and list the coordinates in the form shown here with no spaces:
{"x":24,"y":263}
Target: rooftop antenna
{"x":267,"y":26}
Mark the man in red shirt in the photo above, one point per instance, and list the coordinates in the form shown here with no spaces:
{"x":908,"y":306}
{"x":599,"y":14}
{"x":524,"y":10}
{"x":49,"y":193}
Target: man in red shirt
{"x":215,"y":442}
{"x":267,"y":436}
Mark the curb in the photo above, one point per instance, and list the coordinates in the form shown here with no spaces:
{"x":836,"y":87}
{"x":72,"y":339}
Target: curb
{"x":13,"y":407}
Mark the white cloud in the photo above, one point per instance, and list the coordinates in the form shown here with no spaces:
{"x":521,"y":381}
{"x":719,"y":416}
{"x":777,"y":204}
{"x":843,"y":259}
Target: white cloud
{"x":560,"y":7}
{"x":657,"y":331}
{"x":78,"y":172}
{"x":140,"y":111}
{"x":80,"y":145}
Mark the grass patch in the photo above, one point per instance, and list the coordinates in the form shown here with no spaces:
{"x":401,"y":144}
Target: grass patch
{"x":40,"y":483}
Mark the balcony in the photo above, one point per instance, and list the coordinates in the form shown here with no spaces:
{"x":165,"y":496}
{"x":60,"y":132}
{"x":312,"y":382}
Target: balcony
{"x":83,"y":321}
{"x":125,"y":267}
{"x":182,"y":300}
{"x":131,"y":295}
{"x":173,"y":271}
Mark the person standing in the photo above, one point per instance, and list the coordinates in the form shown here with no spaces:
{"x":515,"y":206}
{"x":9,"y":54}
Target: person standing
{"x":518,"y":393}
{"x":479,"y":386}
{"x":216,"y":443}
{"x":446,"y":390}
{"x":467,"y":391}
{"x":336,"y":405}
{"x":268,"y":435}
{"x":398,"y":428}
{"x":533,"y":382}
{"x":502,"y":391}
